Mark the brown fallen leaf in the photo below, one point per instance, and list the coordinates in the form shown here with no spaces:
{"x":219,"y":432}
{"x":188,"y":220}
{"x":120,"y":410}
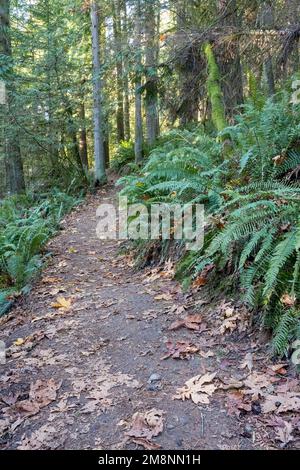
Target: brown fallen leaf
{"x":281,"y":403}
{"x":46,"y":437}
{"x":165,"y":297}
{"x":180,"y":350}
{"x":145,"y":426}
{"x":247,"y":362}
{"x":198,"y":389}
{"x":202,"y":279}
{"x":44,"y":392}
{"x":284,"y":433}
{"x":41,"y":393}
{"x":19,"y":342}
{"x":288,"y":300}
{"x":148,"y":445}
{"x":50,"y":280}
{"x":206,"y":354}
{"x":257,"y":383}
{"x":62,"y":302}
{"x":192,"y":322}
{"x":279,"y":369}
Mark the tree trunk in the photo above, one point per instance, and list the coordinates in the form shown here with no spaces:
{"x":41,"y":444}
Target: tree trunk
{"x":189,"y":69}
{"x":119,"y":66}
{"x":267,"y":22}
{"x":53,"y":143}
{"x":152,"y":119}
{"x":229,"y":59}
{"x":83,"y":138}
{"x":138,"y":147}
{"x":127,"y":127}
{"x":13,"y":159}
{"x":100,"y":173}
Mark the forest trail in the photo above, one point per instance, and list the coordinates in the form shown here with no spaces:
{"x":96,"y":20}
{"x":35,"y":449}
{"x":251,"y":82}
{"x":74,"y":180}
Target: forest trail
{"x":84,"y":345}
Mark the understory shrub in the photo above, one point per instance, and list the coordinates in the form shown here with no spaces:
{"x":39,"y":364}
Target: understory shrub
{"x":26,"y":224}
{"x":251,"y":193}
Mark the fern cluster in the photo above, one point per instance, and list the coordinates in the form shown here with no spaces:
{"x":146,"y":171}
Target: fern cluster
{"x":252,"y":197}
{"x":25,"y":227}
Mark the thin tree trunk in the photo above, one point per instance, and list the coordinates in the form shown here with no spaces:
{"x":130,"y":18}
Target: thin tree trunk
{"x":189,"y":70}
{"x":13,"y":160}
{"x":267,"y":22}
{"x":53,"y":144}
{"x":138,"y":147}
{"x":83,"y":138}
{"x":152,"y":120}
{"x":127,"y":127}
{"x":229,"y":59}
{"x":104,"y":57}
{"x":119,"y":69}
{"x":100,"y":173}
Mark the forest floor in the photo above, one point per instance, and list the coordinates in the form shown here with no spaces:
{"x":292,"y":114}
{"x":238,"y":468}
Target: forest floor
{"x":86,"y":365}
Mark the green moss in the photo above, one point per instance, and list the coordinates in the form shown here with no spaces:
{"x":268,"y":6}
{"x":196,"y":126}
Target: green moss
{"x":214,"y":90}
{"x":255,"y":94}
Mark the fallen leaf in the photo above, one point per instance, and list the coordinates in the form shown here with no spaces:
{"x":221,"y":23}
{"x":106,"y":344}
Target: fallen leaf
{"x":207,"y":354}
{"x":198,"y":389}
{"x":19,"y":342}
{"x":180,"y":350}
{"x":44,"y":392}
{"x":61,"y":302}
{"x":192,"y":322}
{"x":247,"y":362}
{"x":166,"y":297}
{"x":146,"y":425}
{"x":284,"y":433}
{"x":288,"y":300}
{"x":281,"y":403}
{"x":148,"y":445}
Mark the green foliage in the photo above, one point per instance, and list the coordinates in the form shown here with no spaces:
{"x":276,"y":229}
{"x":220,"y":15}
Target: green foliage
{"x":26,"y":224}
{"x":214,"y":89}
{"x":252,"y":202}
{"x":123,"y":156}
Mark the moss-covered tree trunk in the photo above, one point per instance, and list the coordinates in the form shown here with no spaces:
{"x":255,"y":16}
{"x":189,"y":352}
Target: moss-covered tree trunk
{"x":214,"y":90}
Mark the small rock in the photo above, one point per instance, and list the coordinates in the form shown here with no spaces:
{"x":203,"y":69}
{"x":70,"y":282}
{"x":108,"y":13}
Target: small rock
{"x":154,"y":387}
{"x":248,"y":431}
{"x":154,"y":378}
{"x":256,"y":408}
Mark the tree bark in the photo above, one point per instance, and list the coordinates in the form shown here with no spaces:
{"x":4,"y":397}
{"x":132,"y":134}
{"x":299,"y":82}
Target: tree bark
{"x":152,"y":119}
{"x":138,"y":146}
{"x":229,"y":59}
{"x":83,"y":138}
{"x":267,"y":22}
{"x":13,"y":159}
{"x":99,"y":153}
{"x":119,"y":68}
{"x":127,"y":126}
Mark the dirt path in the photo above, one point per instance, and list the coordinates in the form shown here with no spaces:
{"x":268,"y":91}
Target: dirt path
{"x":76,"y":375}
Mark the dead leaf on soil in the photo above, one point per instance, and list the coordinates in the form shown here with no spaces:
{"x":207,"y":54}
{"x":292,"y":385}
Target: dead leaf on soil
{"x":180,"y":350}
{"x":284,"y":433}
{"x":247,"y":362}
{"x":145,"y":426}
{"x":281,"y":403}
{"x":257,"y":383}
{"x":46,"y":437}
{"x":198,"y":389}
{"x":165,"y":297}
{"x":148,"y":445}
{"x":62,"y":302}
{"x":192,"y":322}
{"x":206,"y":354}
